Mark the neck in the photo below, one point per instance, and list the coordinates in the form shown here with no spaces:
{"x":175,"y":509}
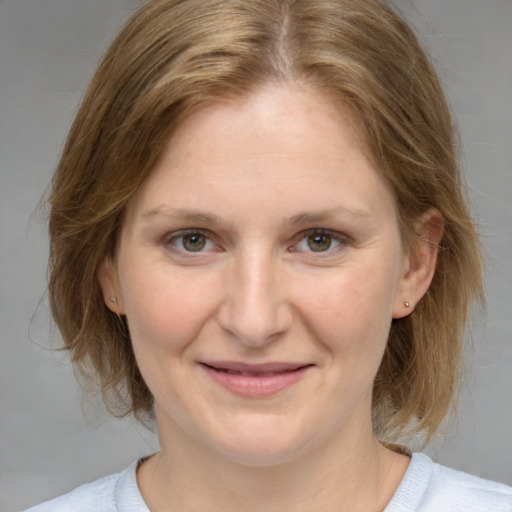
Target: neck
{"x":341,"y":475}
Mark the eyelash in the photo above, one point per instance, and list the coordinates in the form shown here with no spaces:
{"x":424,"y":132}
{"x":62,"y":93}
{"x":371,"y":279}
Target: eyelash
{"x":171,"y":238}
{"x":340,"y":240}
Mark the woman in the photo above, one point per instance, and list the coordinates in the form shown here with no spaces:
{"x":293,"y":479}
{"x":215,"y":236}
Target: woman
{"x":258,"y":235}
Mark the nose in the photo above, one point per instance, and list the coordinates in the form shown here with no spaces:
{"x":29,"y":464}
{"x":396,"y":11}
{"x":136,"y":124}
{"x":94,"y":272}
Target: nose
{"x":255,"y":309}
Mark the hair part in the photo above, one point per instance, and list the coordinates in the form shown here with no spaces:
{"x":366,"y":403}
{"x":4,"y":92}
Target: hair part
{"x":174,"y":56}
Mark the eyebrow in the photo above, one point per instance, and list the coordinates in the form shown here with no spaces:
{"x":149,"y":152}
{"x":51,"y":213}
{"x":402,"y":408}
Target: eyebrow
{"x":212,"y":220}
{"x":183,"y":214}
{"x":323,"y":215}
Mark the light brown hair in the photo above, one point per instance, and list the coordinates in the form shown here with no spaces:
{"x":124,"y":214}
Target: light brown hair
{"x":174,"y":55}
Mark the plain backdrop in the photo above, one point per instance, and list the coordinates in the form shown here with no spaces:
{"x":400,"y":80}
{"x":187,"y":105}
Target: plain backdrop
{"x":51,"y":437}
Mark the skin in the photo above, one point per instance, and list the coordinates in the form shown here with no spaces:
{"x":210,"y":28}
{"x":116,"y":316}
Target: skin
{"x":251,"y":182}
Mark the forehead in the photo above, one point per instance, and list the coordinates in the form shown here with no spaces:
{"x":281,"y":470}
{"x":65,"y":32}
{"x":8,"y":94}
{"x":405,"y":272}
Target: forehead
{"x":285,"y":145}
{"x":276,"y":118}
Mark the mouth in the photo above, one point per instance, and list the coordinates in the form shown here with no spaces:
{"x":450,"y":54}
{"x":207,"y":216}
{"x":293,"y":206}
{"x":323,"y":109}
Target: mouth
{"x":255,"y":380}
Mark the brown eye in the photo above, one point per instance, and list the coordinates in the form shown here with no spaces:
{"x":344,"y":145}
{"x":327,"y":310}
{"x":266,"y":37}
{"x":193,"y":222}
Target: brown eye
{"x":193,"y":242}
{"x":319,"y":242}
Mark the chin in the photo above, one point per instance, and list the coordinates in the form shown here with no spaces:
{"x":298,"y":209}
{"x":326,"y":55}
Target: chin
{"x":261,"y":445}
{"x":261,"y":456}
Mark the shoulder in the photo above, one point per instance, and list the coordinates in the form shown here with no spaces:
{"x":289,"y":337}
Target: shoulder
{"x":467,"y":492}
{"x":431,"y":487}
{"x":98,"y":495}
{"x":112,"y":493}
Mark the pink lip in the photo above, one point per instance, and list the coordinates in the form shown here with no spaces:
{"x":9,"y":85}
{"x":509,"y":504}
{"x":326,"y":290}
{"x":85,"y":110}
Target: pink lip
{"x":254,"y":380}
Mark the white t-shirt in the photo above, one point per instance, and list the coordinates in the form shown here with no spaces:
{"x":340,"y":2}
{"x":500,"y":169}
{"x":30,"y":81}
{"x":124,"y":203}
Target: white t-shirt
{"x":426,"y":487}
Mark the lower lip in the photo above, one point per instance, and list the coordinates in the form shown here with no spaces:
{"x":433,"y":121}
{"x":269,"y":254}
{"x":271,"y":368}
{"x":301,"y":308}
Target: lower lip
{"x":256,"y":386}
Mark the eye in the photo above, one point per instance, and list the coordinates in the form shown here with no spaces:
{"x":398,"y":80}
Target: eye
{"x":191,"y":241}
{"x":194,"y":242}
{"x":319,"y":241}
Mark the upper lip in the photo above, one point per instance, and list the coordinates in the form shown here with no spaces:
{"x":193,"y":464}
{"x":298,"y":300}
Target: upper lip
{"x":238,"y":366}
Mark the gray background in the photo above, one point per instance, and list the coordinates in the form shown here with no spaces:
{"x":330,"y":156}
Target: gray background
{"x":51,"y":437}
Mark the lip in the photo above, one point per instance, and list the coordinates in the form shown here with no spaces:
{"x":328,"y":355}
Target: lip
{"x":255,"y":380}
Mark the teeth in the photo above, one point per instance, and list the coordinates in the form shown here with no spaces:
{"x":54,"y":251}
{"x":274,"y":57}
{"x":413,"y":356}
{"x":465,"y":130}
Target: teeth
{"x":249,"y":374}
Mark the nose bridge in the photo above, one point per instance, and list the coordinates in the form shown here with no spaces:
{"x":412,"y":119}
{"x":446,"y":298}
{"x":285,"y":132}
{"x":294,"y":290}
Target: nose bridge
{"x":255,"y":309}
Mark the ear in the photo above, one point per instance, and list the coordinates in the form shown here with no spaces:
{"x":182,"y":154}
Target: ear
{"x":420,"y":263}
{"x":108,"y":280}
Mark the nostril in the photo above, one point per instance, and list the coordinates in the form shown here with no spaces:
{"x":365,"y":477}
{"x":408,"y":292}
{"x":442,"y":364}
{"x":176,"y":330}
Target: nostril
{"x":251,"y":327}
{"x":253,"y":309}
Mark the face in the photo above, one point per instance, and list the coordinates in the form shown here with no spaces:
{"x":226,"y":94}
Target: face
{"x":259,"y":268}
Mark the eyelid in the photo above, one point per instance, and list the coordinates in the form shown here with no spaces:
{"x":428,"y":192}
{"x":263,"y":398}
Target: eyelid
{"x":341,"y":238}
{"x":169,"y":237}
{"x":174,"y":235}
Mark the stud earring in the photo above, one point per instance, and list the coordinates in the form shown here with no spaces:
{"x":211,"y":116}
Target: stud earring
{"x":407,"y":304}
{"x":112,"y":299}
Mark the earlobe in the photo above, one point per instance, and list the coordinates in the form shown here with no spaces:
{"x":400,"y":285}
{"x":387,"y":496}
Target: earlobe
{"x":109,"y":287}
{"x":420,"y":265}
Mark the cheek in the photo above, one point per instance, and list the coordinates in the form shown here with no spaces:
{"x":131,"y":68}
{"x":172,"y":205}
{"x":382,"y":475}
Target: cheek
{"x":166,"y":311}
{"x":165,"y":315}
{"x":351,"y":312}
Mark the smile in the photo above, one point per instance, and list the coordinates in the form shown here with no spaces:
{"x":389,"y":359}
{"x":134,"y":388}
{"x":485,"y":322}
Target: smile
{"x":255,"y":381}
{"x":249,"y":374}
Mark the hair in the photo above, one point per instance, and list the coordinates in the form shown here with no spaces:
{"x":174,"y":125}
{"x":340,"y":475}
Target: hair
{"x":173,"y":56}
